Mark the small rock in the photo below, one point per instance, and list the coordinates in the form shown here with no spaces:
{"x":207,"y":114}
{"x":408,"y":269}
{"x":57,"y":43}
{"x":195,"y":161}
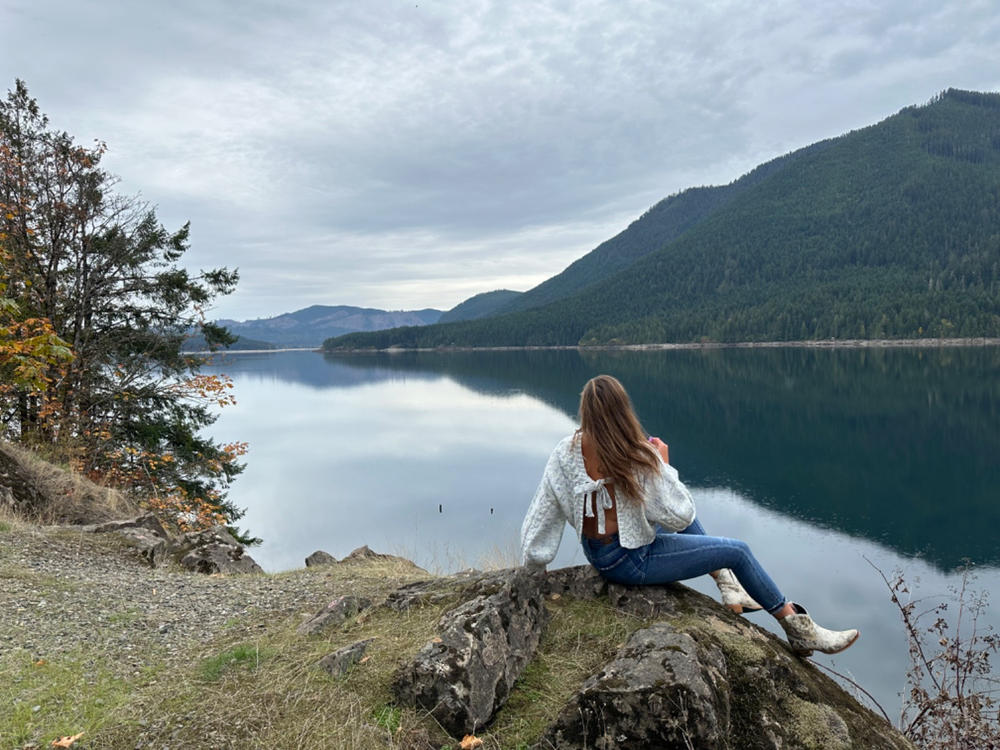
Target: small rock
{"x":215,"y":551}
{"x":319,"y":557}
{"x":334,"y":613}
{"x":343,"y":659}
{"x":146,"y":521}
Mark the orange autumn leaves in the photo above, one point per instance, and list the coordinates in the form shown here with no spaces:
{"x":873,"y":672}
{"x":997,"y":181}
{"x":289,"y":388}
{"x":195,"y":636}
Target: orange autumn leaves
{"x":67,"y":741}
{"x":31,"y":354}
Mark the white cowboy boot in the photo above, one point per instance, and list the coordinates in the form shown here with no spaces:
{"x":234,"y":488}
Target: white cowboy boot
{"x":805,"y":636}
{"x":733,"y":594}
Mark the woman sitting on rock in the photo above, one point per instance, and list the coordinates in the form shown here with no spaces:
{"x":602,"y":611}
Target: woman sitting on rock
{"x":636,"y":520}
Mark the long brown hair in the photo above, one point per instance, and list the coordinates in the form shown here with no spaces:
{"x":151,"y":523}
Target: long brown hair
{"x":608,"y":419}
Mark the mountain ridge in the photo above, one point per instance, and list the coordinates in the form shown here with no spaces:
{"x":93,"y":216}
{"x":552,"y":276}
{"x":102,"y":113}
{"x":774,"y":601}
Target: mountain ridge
{"x":888,"y":231}
{"x":309,"y":326}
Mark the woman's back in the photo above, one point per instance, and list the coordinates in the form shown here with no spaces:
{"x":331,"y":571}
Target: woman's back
{"x":595,"y":470}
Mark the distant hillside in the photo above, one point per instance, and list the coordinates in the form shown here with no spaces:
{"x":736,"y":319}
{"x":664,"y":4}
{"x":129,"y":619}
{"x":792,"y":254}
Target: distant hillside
{"x":310,"y":326}
{"x":892,"y":231}
{"x":661,"y":224}
{"x":479,"y":306}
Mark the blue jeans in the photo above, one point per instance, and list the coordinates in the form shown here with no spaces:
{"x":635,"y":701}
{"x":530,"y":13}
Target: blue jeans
{"x":676,"y":557}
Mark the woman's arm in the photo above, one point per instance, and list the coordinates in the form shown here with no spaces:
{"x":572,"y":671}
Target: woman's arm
{"x":543,"y":524}
{"x":667,"y":501}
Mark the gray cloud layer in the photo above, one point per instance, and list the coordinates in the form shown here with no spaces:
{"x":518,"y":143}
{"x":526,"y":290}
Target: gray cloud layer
{"x":410,"y":154}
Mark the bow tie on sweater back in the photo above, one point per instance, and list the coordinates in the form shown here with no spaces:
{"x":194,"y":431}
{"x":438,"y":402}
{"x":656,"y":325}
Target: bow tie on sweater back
{"x":593,"y":490}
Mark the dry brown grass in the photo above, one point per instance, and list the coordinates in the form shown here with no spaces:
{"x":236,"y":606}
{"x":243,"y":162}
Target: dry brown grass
{"x":60,"y":495}
{"x":257,"y":684}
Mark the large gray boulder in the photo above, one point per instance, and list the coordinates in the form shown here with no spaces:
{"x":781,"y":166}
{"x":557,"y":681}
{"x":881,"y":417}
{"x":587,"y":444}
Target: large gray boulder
{"x":146,"y":521}
{"x":662,"y":690}
{"x":466,"y":674}
{"x":144,"y":534}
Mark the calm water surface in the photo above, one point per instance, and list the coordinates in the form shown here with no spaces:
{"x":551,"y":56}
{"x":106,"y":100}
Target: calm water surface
{"x":822,"y":460}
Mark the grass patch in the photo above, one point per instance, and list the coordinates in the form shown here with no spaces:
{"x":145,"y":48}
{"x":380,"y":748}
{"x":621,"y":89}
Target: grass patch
{"x":126,"y":617}
{"x":272,"y":693}
{"x":67,"y":694}
{"x":260,"y":686}
{"x":244,"y":655}
{"x":582,"y":636}
{"x":388,"y":717}
{"x":45,"y":581}
{"x":5,"y":527}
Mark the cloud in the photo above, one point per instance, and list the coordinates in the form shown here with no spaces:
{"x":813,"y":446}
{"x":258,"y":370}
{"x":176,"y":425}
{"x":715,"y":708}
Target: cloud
{"x":401,"y":154}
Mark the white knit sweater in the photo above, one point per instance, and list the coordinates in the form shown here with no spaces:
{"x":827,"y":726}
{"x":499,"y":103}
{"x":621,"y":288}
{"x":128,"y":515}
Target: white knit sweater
{"x":566,"y":493}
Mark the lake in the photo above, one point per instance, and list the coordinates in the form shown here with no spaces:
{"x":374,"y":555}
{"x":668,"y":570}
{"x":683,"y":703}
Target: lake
{"x":829,"y":462}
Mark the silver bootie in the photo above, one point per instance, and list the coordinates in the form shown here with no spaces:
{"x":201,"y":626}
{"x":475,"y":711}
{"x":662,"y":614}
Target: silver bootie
{"x":733,"y":594}
{"x":805,"y":636}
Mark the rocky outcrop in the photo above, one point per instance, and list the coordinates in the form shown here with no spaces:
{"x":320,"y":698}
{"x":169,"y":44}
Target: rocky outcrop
{"x":695,"y":676}
{"x":701,"y":676}
{"x":210,"y":551}
{"x":466,"y":674}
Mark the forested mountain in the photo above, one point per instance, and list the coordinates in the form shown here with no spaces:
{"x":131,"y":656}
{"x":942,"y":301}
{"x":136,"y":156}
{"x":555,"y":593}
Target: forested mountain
{"x":660,"y":225}
{"x":479,"y":306}
{"x":891,"y":231}
{"x":311,"y":325}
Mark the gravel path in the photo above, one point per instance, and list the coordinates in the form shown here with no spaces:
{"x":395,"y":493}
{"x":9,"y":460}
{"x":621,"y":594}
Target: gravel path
{"x":61,"y":589}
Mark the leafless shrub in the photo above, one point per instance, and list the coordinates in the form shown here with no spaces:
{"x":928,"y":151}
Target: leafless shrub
{"x":949,"y":701}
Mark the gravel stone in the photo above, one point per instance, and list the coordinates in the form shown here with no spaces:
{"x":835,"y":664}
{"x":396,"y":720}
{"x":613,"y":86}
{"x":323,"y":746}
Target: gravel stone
{"x":51,"y":578}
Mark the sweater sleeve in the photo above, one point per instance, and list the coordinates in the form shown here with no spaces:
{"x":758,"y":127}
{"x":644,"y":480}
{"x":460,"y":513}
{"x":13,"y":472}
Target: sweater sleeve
{"x":668,"y":501}
{"x":543,"y":525}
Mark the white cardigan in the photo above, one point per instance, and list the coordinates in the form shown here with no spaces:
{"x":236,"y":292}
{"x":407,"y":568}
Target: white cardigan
{"x":566,"y":493}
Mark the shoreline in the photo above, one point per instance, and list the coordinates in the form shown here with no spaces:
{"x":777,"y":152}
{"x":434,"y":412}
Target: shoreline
{"x":929,"y":343}
{"x":259,"y":351}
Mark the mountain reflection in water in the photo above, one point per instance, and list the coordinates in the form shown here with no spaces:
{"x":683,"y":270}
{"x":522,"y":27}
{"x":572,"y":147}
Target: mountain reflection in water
{"x":899,"y":446}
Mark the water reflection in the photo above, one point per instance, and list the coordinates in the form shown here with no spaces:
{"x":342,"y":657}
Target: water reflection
{"x":898,"y":446}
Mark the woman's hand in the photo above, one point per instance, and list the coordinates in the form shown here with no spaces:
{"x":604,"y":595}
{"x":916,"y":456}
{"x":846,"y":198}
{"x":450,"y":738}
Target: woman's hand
{"x":662,"y":447}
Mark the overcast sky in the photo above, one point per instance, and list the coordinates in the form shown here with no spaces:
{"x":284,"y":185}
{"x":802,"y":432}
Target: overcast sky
{"x":411,"y":154}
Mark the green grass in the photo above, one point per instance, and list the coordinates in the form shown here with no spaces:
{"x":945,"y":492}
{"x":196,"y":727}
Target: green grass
{"x":388,"y":717}
{"x":126,"y":617}
{"x":5,"y":527}
{"x":65,"y":695}
{"x":242,"y":656}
